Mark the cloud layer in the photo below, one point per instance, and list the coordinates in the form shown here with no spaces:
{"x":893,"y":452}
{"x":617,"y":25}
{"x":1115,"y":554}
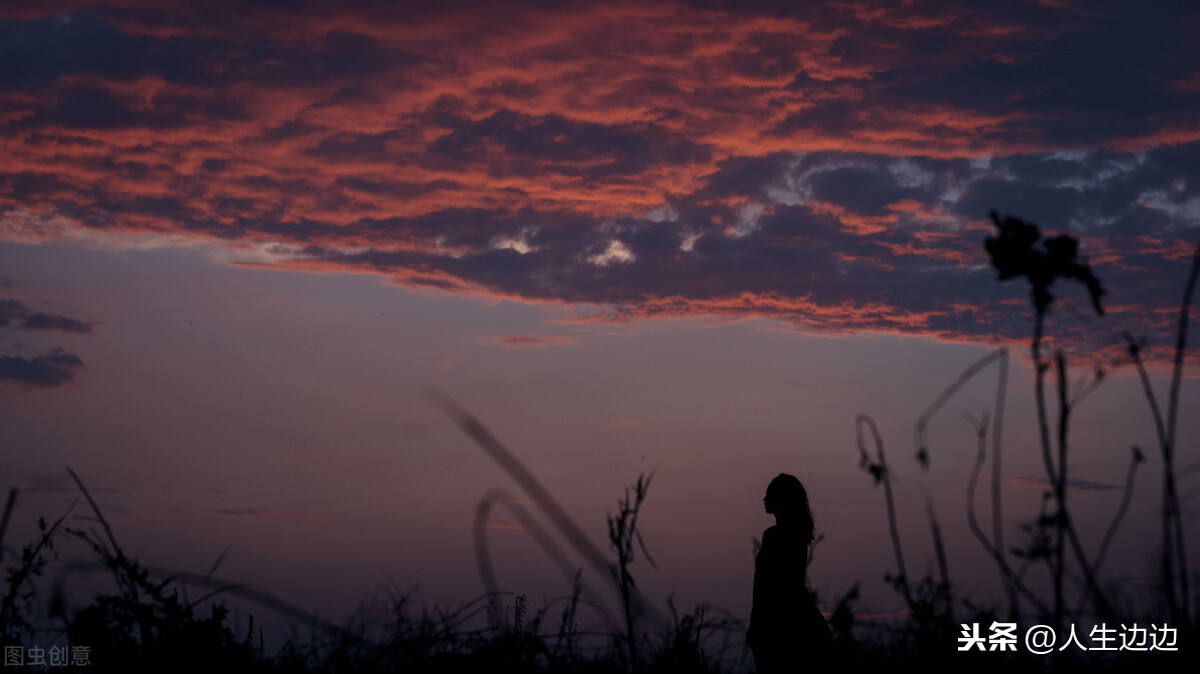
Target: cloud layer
{"x":48,"y":370}
{"x":45,"y":371}
{"x":18,"y":314}
{"x":830,"y":165}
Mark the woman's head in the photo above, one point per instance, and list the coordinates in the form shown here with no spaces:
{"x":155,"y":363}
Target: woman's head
{"x":787,"y":500}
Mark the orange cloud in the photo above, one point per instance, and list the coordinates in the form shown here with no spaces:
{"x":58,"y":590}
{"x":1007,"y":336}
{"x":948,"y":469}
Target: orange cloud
{"x":822,"y":165}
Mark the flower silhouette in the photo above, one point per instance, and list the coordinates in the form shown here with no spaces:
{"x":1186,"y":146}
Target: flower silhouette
{"x":1015,"y":252}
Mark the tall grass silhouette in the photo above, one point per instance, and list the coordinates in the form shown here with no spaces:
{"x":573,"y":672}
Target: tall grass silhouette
{"x":1019,"y":250}
{"x":669,"y":639}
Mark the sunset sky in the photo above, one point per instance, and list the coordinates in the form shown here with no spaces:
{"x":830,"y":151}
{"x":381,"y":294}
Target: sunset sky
{"x":240,"y":241}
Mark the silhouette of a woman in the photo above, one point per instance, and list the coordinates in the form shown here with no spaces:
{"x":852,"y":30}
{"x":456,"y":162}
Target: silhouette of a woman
{"x":787,"y":631}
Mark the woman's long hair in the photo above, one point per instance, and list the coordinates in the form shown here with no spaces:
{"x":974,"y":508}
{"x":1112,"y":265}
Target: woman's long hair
{"x":791,"y":501}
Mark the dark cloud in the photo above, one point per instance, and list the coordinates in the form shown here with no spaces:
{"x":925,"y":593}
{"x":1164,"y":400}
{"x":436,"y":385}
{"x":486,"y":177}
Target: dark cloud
{"x":287,"y":130}
{"x":214,"y":164}
{"x":401,"y":189}
{"x":1049,"y":205}
{"x":804,"y":260}
{"x":44,"y":321}
{"x":48,"y":370}
{"x":746,"y":176}
{"x":1128,"y":194}
{"x":79,"y":43}
{"x":83,"y":43}
{"x":556,"y":144}
{"x":1073,"y":74}
{"x":94,"y":107}
{"x":512,"y":88}
{"x":18,"y":313}
{"x":914,"y":268}
{"x":836,"y":118}
{"x":54,"y":368}
{"x":32,"y":185}
{"x":357,"y":147}
{"x":865,"y":190}
{"x":1113,"y":73}
{"x":660,"y":165}
{"x":765,"y":56}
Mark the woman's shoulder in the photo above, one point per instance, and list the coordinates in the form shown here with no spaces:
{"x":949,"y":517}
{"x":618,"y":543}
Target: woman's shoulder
{"x":778,"y":536}
{"x":773,"y":533}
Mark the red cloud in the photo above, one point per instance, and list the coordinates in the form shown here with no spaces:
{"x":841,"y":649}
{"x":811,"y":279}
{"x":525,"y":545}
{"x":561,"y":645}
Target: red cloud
{"x":504,"y":153}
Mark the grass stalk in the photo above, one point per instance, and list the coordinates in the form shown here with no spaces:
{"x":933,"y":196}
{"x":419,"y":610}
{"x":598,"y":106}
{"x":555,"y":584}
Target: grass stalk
{"x":540,"y":536}
{"x":1010,"y":578}
{"x":882,"y":474}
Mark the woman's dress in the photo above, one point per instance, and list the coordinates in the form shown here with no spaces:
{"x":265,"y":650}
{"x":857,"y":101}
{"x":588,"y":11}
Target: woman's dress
{"x":787,"y":631}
